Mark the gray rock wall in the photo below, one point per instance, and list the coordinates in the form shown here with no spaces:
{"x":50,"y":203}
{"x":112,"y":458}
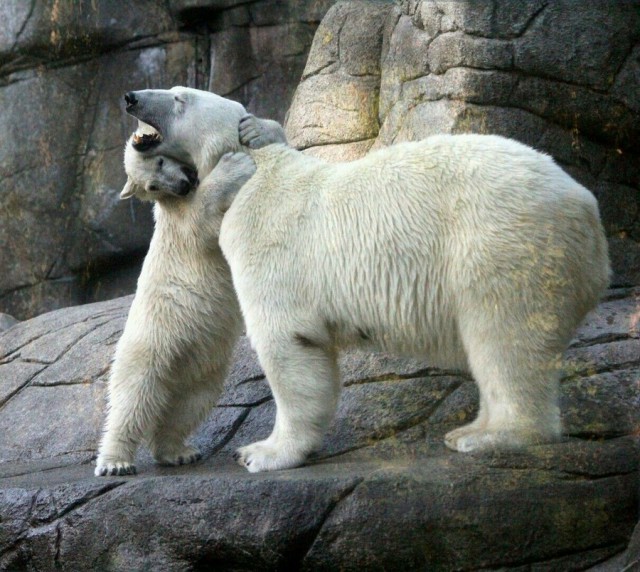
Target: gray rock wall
{"x":563,"y":79}
{"x":383,"y":492}
{"x":66,"y":239}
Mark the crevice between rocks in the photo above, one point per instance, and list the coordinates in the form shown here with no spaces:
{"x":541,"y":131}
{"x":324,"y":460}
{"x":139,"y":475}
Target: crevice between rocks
{"x":601,"y":340}
{"x":304,"y":547}
{"x":24,"y":25}
{"x":252,"y":404}
{"x":532,"y":561}
{"x":84,"y":499}
{"x":231,"y":433}
{"x":390,"y":432}
{"x":11,"y":395}
{"x":110,"y":314}
{"x":529,"y":24}
{"x":582,"y":476}
{"x":417,"y":374}
{"x":27,"y":533}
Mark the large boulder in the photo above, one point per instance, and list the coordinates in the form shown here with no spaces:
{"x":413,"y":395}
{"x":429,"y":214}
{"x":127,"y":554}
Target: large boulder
{"x":64,"y":67}
{"x":562,"y":80}
{"x":383,"y":492}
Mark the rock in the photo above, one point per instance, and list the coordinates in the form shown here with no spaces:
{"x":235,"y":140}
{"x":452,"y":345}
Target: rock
{"x":562,"y":80}
{"x":344,"y":81}
{"x":627,"y":561}
{"x":67,"y":239}
{"x":382,"y":492}
{"x":7,"y":321}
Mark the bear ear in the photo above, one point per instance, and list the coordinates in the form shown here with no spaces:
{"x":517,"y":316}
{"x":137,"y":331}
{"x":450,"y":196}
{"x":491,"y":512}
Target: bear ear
{"x":129,"y":190}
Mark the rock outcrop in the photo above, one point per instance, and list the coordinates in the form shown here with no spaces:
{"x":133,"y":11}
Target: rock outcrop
{"x":382,"y":493}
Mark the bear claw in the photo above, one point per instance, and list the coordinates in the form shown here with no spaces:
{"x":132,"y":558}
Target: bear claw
{"x":116,"y":469}
{"x":187,"y":456}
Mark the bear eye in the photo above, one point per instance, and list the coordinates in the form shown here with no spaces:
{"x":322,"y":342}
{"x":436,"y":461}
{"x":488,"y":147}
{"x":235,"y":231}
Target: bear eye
{"x":160,"y":162}
{"x":153,"y":188}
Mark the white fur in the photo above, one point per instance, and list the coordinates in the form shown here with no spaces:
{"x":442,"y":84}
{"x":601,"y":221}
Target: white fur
{"x":475,"y":251}
{"x":172,"y":358}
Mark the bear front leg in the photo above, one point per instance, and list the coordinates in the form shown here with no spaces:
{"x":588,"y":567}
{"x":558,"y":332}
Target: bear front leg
{"x":256,"y":133}
{"x":305,"y":384}
{"x":220,"y":187}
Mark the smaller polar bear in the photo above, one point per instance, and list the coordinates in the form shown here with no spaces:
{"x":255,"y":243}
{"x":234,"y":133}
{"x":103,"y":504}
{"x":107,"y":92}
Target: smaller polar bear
{"x":472,"y":250}
{"x":172,"y":358}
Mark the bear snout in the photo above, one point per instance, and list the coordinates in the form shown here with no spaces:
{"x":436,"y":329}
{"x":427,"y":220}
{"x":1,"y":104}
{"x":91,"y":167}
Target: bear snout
{"x":192,"y":175}
{"x":184,"y":188}
{"x":131,"y":99}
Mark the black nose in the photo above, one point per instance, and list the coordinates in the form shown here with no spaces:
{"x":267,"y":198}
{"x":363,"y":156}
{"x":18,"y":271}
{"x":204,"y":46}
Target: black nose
{"x":191,"y":174}
{"x":185,"y":188}
{"x":130,"y":98}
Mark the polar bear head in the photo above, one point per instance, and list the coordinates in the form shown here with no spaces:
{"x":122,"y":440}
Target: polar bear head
{"x":189,"y":125}
{"x":154,"y":177}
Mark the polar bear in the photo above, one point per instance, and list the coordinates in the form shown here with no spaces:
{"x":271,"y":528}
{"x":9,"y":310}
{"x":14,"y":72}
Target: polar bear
{"x":173,"y":356}
{"x":474,"y":251}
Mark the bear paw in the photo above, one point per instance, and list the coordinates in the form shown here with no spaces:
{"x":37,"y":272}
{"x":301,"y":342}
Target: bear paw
{"x":184,"y":456}
{"x":250,"y":133}
{"x":114,"y":468}
{"x":265,"y":456}
{"x":467,"y":439}
{"x":452,"y":437}
{"x":258,"y":133}
{"x":239,"y":165}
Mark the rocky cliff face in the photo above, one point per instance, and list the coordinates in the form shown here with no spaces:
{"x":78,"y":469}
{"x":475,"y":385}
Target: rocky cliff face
{"x":562,"y":80}
{"x":63,"y":69}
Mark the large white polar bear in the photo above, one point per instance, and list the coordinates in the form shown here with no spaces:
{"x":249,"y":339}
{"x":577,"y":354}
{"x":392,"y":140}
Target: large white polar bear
{"x":473,"y":250}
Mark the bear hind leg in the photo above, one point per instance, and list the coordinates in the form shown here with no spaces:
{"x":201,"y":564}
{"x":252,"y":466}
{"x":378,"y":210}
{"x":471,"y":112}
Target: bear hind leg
{"x":518,"y":384}
{"x":135,"y":405}
{"x":185,"y":412}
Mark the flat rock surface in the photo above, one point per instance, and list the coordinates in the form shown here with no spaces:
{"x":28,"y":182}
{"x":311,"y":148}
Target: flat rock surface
{"x":383,"y":493}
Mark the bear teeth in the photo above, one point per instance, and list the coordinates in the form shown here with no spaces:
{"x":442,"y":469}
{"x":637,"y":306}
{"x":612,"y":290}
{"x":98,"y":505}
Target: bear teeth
{"x":146,"y":137}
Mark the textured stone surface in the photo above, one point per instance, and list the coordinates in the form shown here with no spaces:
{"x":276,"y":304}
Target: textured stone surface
{"x":382,"y":492}
{"x":562,"y":80}
{"x":63,"y":69}
{"x":6,"y":321}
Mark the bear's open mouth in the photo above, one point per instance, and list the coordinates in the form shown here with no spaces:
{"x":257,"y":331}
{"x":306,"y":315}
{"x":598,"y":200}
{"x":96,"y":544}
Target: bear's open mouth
{"x":145,"y":141}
